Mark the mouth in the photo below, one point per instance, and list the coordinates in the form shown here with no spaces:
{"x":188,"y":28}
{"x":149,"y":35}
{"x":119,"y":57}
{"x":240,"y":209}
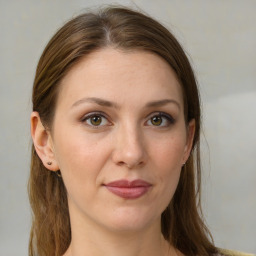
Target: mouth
{"x":128,"y":189}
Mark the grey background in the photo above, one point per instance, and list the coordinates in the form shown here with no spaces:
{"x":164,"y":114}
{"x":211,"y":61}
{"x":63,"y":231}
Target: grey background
{"x":220,"y":38}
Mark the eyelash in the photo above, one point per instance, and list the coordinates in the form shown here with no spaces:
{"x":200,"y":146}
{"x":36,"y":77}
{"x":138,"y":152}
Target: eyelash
{"x":168,"y":118}
{"x":95,"y":114}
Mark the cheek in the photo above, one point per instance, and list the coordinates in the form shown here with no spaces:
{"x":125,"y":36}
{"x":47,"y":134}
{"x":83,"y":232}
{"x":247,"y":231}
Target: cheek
{"x":169,"y":152}
{"x":80,"y":157}
{"x":73,"y":146}
{"x":80,"y":161}
{"x":168,"y":158}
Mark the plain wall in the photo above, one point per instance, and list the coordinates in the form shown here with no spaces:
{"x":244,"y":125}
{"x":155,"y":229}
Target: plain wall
{"x":220,"y":38}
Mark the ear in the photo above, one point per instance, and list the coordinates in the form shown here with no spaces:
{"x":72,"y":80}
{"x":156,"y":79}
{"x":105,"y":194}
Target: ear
{"x":190,"y":138}
{"x":43,"y":143}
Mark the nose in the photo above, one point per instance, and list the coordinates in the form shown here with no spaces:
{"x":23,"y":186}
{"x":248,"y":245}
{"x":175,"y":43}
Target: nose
{"x":129,"y":149}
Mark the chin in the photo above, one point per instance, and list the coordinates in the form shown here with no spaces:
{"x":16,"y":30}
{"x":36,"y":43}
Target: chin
{"x":131,"y":220}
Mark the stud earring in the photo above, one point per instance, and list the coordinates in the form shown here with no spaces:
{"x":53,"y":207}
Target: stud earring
{"x":58,"y":173}
{"x":49,"y":163}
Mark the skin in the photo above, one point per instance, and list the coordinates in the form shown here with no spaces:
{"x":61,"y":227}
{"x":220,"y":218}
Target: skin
{"x":131,"y":141}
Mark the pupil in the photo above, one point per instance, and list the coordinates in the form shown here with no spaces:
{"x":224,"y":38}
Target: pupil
{"x":96,"y":120}
{"x":156,"y":120}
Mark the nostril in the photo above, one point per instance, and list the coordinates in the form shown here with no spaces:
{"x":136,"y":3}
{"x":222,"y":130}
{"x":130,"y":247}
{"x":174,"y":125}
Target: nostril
{"x":121,"y":163}
{"x":130,"y":165}
{"x":141,"y":163}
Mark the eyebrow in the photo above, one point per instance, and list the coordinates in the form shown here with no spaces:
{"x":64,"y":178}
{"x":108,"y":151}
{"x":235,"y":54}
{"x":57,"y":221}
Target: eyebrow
{"x":159,"y":103}
{"x":98,"y":101}
{"x":106,"y":103}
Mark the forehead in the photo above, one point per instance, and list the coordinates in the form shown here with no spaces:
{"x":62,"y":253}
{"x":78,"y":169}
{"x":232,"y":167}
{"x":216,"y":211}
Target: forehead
{"x":120,"y":76}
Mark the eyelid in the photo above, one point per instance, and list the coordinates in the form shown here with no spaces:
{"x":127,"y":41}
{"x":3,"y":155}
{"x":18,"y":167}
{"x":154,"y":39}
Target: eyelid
{"x":169,"y":118}
{"x":95,"y":113}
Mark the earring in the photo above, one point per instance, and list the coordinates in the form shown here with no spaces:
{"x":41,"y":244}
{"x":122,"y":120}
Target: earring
{"x":58,"y":173}
{"x":49,"y":163}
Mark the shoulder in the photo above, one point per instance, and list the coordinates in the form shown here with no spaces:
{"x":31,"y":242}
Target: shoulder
{"x":224,"y":252}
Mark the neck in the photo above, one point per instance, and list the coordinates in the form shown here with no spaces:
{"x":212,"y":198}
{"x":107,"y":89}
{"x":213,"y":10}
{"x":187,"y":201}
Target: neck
{"x":96,"y":241}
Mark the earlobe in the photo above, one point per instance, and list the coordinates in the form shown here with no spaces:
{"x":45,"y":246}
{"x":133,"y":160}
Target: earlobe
{"x":190,"y":138}
{"x":43,"y":143}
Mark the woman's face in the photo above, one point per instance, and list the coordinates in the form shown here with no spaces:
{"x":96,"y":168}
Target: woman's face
{"x":119,"y":138}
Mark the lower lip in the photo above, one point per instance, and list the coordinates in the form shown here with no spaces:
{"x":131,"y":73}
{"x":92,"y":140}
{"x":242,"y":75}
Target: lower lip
{"x":128,"y":193}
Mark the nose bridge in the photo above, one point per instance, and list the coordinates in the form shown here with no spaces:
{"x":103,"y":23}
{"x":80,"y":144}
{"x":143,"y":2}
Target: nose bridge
{"x":129,"y":147}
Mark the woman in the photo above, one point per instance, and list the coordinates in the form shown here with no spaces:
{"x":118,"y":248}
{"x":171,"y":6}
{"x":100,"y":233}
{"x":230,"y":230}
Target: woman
{"x":115,"y":164}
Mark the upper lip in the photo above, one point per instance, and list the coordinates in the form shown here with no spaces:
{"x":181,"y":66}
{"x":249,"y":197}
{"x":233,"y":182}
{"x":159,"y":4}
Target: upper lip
{"x":128,"y":184}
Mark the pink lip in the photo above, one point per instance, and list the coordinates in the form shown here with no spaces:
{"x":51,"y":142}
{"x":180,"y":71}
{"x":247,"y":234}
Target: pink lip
{"x":128,"y":189}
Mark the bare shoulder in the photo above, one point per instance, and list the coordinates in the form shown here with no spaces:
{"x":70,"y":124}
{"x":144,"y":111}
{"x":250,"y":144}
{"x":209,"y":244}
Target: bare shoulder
{"x":224,"y":252}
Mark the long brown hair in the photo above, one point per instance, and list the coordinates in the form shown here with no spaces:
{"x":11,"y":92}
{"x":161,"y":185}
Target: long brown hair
{"x":121,"y":28}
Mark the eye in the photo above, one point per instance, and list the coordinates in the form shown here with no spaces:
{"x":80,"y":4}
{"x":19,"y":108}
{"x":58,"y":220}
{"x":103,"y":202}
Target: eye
{"x":160,"y":119}
{"x":95,"y":120}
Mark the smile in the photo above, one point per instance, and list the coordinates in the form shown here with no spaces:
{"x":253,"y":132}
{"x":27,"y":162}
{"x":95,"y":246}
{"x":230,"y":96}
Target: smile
{"x":128,"y":189}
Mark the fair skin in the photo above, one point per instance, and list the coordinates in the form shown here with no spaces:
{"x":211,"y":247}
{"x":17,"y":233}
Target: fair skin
{"x":119,"y":116}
